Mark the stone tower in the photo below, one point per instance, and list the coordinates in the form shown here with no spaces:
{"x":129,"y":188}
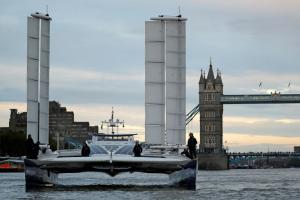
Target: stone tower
{"x":13,"y":119}
{"x":211,"y":112}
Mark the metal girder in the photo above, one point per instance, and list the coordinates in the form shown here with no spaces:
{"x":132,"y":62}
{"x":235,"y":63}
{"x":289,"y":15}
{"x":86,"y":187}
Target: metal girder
{"x":190,"y":116}
{"x":260,"y":99}
{"x":275,"y":98}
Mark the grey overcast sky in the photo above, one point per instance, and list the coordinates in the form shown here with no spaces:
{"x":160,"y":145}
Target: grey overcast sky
{"x":97,"y":60}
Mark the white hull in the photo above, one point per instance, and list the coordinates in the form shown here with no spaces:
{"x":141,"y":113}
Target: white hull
{"x":44,"y":172}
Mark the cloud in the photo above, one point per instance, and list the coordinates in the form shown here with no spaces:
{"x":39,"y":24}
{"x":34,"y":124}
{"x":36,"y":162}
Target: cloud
{"x":288,"y":121}
{"x":133,"y":115}
{"x":247,"y":82}
{"x":244,"y":120}
{"x":231,"y":120}
{"x":12,"y":76}
{"x":77,"y":85}
{"x":256,"y":143}
{"x":255,"y":126}
{"x":9,"y":20}
{"x":248,"y":7}
{"x":63,"y":74}
{"x":261,"y":126}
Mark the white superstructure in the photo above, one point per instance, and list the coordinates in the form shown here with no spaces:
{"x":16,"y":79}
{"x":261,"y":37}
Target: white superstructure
{"x":38,"y":49}
{"x":165,"y":83}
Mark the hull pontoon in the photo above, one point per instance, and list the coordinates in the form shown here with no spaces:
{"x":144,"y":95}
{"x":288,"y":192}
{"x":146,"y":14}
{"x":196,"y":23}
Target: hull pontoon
{"x":112,"y":154}
{"x":44,"y":172}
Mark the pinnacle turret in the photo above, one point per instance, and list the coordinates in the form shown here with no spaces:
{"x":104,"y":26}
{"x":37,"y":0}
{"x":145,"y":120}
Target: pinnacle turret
{"x":210,"y":75}
{"x":211,"y":78}
{"x":219,"y":78}
{"x":202,"y":78}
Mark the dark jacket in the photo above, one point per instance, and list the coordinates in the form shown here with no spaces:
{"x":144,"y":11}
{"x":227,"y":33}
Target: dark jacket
{"x":36,"y":149}
{"x":192,"y":142}
{"x":29,"y":148}
{"x":137,"y":150}
{"x":85,"y":151}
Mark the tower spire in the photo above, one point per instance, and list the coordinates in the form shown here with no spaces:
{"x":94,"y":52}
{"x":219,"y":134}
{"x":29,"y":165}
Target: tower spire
{"x":210,"y":75}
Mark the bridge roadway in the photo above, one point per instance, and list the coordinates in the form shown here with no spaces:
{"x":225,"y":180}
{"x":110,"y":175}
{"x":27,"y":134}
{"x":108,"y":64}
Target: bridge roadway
{"x":260,"y":98}
{"x":274,"y":98}
{"x":263,"y":154}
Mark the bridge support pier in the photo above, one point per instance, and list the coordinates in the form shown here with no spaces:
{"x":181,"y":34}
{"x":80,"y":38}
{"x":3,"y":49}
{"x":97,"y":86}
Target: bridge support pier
{"x":213,"y":161}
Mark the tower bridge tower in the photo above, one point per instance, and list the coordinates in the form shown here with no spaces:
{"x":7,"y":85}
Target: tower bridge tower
{"x":211,"y":154}
{"x":211,"y":112}
{"x":211,"y":100}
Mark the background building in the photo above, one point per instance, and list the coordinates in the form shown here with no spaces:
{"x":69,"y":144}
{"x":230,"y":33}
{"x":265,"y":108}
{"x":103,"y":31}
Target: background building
{"x":61,"y":125}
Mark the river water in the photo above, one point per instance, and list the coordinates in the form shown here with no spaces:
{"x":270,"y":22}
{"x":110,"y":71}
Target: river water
{"x":231,"y":184}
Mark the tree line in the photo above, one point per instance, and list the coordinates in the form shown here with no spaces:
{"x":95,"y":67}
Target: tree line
{"x":12,"y":143}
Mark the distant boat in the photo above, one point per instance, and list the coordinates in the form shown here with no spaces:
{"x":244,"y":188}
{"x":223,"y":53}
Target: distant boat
{"x":11,"y":165}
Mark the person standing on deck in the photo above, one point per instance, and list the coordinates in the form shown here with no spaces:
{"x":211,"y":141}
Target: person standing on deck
{"x":29,"y":147}
{"x":137,"y":149}
{"x":36,"y":149}
{"x":85,"y":151}
{"x":192,"y":142}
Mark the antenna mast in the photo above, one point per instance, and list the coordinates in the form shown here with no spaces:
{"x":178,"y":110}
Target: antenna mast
{"x":179,"y":11}
{"x":111,"y":123}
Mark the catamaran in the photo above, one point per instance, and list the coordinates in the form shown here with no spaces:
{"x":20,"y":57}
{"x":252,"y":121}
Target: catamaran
{"x":112,"y":154}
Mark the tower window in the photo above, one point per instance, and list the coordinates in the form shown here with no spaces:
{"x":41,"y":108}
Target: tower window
{"x":210,"y":128}
{"x":208,"y":114}
{"x":210,"y":141}
{"x":209,"y":97}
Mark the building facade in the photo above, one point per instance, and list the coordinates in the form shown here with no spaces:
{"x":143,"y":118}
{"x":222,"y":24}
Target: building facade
{"x":61,"y":125}
{"x":211,"y":112}
{"x":297,"y":149}
{"x":17,"y":121}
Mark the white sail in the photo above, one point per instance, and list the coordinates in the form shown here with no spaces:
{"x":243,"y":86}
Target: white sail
{"x":44,"y":82}
{"x":38,"y":47}
{"x":33,"y":37}
{"x":154,"y":82}
{"x":175,"y":82}
{"x":165,"y":80}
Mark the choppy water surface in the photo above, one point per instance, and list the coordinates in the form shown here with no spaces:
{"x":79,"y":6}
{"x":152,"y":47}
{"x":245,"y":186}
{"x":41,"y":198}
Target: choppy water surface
{"x":231,"y":184}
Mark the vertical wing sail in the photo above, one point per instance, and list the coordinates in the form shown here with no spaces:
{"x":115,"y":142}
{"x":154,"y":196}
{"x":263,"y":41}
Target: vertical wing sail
{"x":44,"y":82}
{"x":154,"y":82}
{"x":32,"y":76}
{"x":165,"y":88}
{"x":175,"y":82}
{"x":38,"y":48}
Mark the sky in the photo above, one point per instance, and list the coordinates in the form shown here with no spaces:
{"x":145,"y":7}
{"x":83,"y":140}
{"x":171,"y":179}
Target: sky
{"x":97,"y":61}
